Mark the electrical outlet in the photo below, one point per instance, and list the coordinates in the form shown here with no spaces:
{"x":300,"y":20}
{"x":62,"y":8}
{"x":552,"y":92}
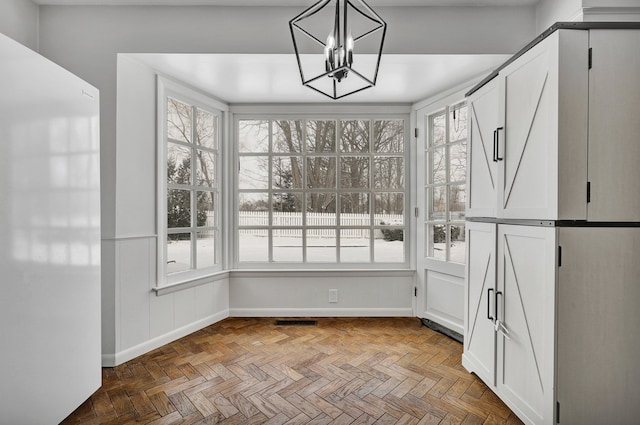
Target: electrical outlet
{"x":333,"y":295}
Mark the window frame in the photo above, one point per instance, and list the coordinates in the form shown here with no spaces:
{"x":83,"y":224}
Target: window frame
{"x":429,"y":149}
{"x":338,"y":190}
{"x":169,"y":89}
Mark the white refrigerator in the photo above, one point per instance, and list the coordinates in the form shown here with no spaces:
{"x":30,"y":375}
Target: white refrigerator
{"x":50,"y":354}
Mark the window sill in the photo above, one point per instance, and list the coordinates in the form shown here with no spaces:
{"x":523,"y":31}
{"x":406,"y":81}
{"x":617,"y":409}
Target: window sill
{"x":321,"y":272}
{"x":180,"y":286}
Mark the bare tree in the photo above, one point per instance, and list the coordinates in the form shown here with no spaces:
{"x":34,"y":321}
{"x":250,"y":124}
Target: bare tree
{"x":388,"y":136}
{"x":180,"y":126}
{"x":288,"y":138}
{"x":315,"y":142}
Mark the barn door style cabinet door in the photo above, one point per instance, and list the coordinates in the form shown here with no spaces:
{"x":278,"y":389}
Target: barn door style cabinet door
{"x":552,"y":286}
{"x":479,"y":316}
{"x":524,"y":320}
{"x":528,"y":134}
{"x":482,"y":163}
{"x":509,"y":340}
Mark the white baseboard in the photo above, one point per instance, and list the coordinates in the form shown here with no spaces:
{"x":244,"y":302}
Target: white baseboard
{"x":321,"y":312}
{"x":111,"y":360}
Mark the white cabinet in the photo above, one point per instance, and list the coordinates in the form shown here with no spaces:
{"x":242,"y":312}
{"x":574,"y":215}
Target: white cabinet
{"x":509,"y":316}
{"x":525,"y":310}
{"x":543,"y":327}
{"x":528,"y":135}
{"x":479,"y":313}
{"x":552,"y":290}
{"x":598,"y":378}
{"x":482,"y":163}
{"x":614,"y":127}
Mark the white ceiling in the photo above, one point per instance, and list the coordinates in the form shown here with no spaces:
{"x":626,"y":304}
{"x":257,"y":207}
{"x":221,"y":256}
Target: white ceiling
{"x":256,"y":78}
{"x":300,"y":3}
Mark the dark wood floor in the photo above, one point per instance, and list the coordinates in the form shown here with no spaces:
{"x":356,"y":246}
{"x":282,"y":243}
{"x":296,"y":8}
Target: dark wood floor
{"x":342,"y":371}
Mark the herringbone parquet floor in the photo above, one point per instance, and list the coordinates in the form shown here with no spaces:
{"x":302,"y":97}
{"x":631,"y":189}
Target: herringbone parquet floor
{"x":342,"y":371}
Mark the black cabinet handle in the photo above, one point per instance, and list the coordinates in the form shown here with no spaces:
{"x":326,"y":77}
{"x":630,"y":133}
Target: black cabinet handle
{"x":489,"y":305}
{"x":499,"y":293}
{"x":495,"y":143}
{"x":498,"y":143}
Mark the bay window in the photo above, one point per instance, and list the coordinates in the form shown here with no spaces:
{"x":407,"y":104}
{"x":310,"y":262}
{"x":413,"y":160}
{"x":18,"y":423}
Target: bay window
{"x":189,"y":185}
{"x":321,"y":190}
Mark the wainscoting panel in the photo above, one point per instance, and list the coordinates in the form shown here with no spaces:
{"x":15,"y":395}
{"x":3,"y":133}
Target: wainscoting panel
{"x":444,"y":300}
{"x":136,"y":317}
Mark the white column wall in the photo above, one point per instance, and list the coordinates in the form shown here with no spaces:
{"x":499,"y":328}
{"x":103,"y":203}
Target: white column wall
{"x":548,"y":12}
{"x":19,"y":21}
{"x":611,"y":10}
{"x":623,"y":4}
{"x":135,"y":320}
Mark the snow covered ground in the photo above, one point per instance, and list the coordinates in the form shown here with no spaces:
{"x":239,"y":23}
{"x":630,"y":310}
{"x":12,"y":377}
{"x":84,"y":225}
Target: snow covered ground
{"x":456,"y":253}
{"x":289,"y":249}
{"x":255,"y":248}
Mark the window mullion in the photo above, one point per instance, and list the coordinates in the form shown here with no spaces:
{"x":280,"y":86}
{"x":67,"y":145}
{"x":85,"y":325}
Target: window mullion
{"x":303,"y":193}
{"x":447,"y":165}
{"x":372,"y":223}
{"x":270,"y":199}
{"x":338,"y":188}
{"x":194,"y":191}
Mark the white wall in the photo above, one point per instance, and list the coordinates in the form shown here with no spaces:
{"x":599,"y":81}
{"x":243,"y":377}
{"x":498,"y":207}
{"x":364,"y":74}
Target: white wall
{"x":19,"y":20}
{"x":136,"y":155}
{"x":611,"y":3}
{"x":144,"y":321}
{"x":611,"y":10}
{"x":87,"y":40}
{"x":305,"y":293}
{"x":549,"y":12}
{"x":134,"y":319}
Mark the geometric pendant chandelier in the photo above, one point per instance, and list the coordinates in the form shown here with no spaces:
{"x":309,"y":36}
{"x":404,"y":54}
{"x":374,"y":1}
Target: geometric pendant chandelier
{"x":345,"y":39}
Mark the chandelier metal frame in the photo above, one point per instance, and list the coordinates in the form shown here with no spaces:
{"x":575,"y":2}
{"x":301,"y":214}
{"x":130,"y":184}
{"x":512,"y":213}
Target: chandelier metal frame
{"x":340,"y":45}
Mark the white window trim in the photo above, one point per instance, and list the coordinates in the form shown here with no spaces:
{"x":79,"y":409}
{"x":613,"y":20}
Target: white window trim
{"x":421,"y":112}
{"x":446,"y":110}
{"x":446,"y":149}
{"x":323,"y":112}
{"x":168,"y":88}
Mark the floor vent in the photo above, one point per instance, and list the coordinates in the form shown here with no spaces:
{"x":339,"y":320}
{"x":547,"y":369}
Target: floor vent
{"x":296,"y":322}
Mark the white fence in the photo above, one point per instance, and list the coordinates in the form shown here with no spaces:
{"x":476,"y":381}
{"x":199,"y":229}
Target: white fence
{"x":294,"y":219}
